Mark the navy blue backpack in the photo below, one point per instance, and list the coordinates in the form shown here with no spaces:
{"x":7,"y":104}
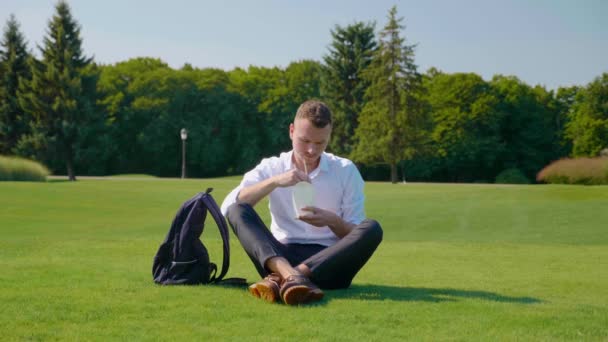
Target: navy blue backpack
{"x":182,"y":258}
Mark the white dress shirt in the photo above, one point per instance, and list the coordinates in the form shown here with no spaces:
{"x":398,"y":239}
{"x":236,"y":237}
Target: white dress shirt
{"x":338,"y":187}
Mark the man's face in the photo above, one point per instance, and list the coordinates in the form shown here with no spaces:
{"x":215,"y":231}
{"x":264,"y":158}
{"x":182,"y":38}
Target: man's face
{"x":308,"y":141}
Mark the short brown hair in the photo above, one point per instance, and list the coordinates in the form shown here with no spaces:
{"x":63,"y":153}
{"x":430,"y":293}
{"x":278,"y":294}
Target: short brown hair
{"x":316,"y":112}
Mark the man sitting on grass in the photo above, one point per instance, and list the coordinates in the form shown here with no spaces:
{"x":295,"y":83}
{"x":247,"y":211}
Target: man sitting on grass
{"x":326,"y":247}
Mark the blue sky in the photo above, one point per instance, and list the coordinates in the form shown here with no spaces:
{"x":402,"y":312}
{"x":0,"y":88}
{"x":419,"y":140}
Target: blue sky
{"x":548,"y":42}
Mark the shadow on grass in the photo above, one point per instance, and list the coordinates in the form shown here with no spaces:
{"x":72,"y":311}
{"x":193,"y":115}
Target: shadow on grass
{"x":384,"y":292}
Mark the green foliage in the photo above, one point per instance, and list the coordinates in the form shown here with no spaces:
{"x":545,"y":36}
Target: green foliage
{"x":232,"y":118}
{"x":119,"y":86}
{"x":343,"y":85}
{"x":482,"y":128}
{"x":13,"y":68}
{"x":528,"y":125}
{"x":299,"y":82}
{"x":272,"y":97}
{"x":587,"y":171}
{"x":588,"y":127}
{"x":512,"y":176}
{"x":72,"y":114}
{"x":148,"y":103}
{"x":20,"y":169}
{"x":261,"y":120}
{"x":392,"y":124}
{"x":466,"y":132}
{"x":57,"y":96}
{"x":565,"y":98}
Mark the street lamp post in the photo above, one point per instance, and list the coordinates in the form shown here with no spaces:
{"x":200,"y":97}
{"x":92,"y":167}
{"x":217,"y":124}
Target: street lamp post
{"x":184,"y":134}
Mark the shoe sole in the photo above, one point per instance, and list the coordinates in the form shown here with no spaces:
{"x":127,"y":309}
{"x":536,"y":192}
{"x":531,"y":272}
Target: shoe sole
{"x":315,"y":295}
{"x":301,"y":294}
{"x":263,"y":292}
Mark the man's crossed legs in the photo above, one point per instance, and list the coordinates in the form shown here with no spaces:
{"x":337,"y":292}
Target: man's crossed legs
{"x":296,"y":272}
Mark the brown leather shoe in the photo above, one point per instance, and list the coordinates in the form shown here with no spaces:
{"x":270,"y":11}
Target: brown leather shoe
{"x":298,"y":289}
{"x":267,"y":288}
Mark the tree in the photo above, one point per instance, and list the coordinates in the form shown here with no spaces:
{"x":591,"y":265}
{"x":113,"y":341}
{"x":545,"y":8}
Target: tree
{"x":393,"y":124}
{"x":119,"y":86}
{"x":565,"y":98}
{"x":56,"y":97}
{"x":527,"y":125}
{"x":466,"y":132}
{"x":13,"y":68}
{"x":148,"y":103}
{"x":272,"y":96}
{"x":343,"y":86}
{"x":297,"y":83}
{"x":588,"y":126}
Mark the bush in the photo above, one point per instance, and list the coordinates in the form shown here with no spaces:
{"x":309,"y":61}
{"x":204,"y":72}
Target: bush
{"x":512,"y":176}
{"x":19,"y":169}
{"x":588,"y":171}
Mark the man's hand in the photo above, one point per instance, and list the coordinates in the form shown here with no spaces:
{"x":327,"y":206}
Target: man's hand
{"x":320,"y":218}
{"x":254,"y":193}
{"x":290,"y":178}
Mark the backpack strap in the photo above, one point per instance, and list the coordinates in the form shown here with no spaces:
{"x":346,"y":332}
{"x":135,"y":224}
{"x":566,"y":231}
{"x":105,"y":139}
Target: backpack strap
{"x":219,"y":219}
{"x":223,"y":227}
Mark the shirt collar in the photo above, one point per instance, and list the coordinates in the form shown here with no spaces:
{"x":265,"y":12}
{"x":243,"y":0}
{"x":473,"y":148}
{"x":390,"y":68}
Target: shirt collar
{"x":323,"y":164}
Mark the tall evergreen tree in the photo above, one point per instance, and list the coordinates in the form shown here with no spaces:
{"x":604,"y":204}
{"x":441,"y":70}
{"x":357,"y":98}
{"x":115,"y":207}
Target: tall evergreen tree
{"x":13,"y":67}
{"x":57,"y":96}
{"x":392,"y":124}
{"x":343,"y":86}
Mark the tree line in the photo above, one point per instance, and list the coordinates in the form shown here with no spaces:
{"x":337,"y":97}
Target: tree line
{"x":395,"y":122}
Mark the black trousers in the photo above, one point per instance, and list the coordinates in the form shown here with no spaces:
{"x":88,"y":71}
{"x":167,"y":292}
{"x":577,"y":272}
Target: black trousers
{"x":332,"y":267}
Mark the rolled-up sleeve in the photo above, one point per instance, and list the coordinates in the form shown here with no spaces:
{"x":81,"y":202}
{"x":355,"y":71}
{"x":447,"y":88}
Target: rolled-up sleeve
{"x":353,"y":202}
{"x":259,"y":173}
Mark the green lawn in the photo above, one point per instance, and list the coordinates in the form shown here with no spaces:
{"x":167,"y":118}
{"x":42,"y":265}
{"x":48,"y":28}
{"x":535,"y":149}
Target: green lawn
{"x":458,"y":262}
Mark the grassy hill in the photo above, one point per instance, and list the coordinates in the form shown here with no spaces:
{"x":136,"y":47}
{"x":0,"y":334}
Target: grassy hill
{"x":457,"y":262}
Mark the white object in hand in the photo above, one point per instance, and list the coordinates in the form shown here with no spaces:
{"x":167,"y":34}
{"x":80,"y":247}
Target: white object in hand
{"x":303,"y":196}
